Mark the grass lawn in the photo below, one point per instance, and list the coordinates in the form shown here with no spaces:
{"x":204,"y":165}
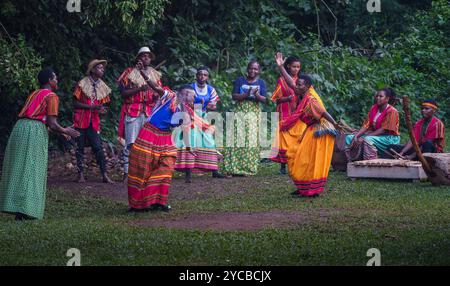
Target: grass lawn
{"x":408,"y":222}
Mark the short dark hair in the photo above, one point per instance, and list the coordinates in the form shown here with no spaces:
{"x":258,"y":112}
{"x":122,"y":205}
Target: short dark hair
{"x":202,"y":68}
{"x":307,"y":79}
{"x":253,"y":62}
{"x":45,"y":75}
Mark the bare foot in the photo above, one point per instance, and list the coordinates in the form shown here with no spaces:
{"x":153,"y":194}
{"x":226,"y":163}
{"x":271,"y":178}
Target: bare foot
{"x":81,"y":178}
{"x":107,"y":180}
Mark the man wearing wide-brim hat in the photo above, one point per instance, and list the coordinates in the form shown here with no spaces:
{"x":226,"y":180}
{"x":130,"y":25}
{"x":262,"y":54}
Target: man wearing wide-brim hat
{"x":90,"y":95}
{"x":138,"y":99}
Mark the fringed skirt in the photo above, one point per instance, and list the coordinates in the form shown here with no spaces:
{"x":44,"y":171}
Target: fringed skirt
{"x":152,"y":160}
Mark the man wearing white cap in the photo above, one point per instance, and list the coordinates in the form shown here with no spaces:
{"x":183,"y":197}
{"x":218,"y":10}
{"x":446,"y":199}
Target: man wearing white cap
{"x":138,"y":99}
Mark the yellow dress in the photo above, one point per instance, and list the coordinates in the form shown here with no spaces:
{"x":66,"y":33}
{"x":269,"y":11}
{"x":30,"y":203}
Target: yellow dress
{"x":289,"y":139}
{"x":309,"y":157}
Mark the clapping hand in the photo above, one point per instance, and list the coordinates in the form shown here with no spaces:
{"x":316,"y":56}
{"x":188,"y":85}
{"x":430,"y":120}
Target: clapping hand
{"x":248,"y":93}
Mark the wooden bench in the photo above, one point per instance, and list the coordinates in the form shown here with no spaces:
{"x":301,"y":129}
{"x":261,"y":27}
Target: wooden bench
{"x":386,"y":169}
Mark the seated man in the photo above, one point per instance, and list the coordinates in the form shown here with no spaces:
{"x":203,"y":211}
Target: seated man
{"x":429,"y":133}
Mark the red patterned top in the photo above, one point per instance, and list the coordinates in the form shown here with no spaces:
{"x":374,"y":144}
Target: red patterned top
{"x":40,"y":104}
{"x":285,"y":109}
{"x":142,"y":101}
{"x":435,"y":131}
{"x":88,"y":92}
{"x":310,"y":110}
{"x":388,"y":120}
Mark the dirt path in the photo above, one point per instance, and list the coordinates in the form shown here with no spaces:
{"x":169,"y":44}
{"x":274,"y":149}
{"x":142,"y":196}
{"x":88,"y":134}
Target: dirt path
{"x":202,"y":187}
{"x":240,"y":221}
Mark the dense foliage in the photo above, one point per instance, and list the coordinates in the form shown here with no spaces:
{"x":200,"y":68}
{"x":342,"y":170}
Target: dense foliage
{"x":349,"y":51}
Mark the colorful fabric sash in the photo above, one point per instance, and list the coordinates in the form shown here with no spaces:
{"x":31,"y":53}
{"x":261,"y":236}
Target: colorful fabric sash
{"x":373,"y":113}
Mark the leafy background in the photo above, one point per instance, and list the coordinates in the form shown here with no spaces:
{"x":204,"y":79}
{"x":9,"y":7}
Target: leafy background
{"x":349,"y":52}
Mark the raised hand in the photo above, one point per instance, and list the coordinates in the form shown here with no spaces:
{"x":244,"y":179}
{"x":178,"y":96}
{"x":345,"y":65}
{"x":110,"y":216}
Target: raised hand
{"x":279,"y":59}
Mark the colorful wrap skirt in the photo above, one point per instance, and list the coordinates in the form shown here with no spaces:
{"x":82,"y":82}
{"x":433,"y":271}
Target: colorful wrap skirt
{"x":376,"y":145}
{"x":152,"y":161}
{"x":202,"y":157}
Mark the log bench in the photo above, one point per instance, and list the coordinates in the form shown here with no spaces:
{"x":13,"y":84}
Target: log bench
{"x":440,"y":164}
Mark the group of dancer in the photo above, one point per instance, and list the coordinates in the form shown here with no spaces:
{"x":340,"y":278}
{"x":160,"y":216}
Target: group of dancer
{"x":151,"y":113}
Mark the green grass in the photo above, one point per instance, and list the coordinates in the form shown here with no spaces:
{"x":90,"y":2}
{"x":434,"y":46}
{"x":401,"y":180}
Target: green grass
{"x":408,"y":222}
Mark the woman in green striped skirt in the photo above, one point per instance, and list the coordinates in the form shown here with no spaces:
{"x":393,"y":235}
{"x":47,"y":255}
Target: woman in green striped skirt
{"x":24,"y":173}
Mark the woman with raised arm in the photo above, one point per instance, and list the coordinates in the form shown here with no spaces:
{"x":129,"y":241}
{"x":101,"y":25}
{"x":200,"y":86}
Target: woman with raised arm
{"x":286,"y":102}
{"x":310,"y":164}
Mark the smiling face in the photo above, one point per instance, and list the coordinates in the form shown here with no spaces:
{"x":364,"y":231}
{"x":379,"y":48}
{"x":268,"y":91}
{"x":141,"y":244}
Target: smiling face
{"x":253,"y":70}
{"x":381,"y":98}
{"x":202,"y":77}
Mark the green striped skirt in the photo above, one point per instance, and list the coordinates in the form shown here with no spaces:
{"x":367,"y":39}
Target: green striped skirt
{"x":24,"y":173}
